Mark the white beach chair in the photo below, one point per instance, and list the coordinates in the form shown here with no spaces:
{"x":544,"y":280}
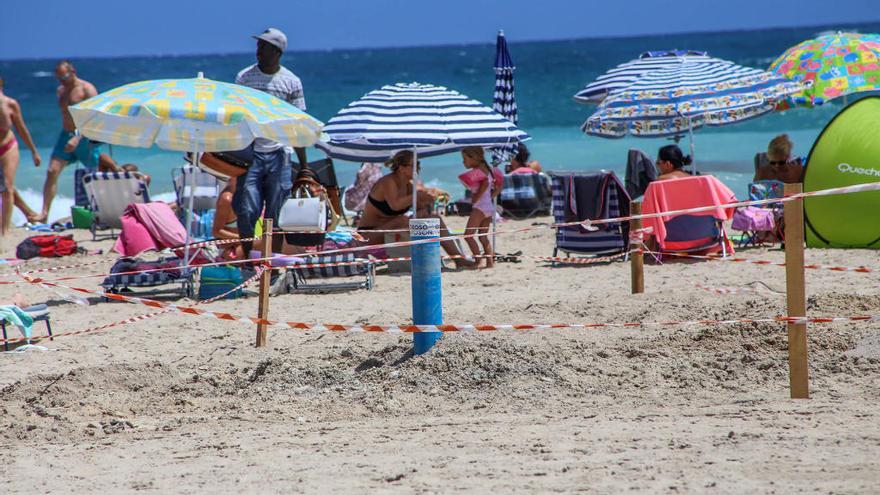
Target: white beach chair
{"x":207,"y":188}
{"x":109,"y":194}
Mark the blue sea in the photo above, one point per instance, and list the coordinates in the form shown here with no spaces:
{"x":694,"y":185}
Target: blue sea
{"x":548,"y":75}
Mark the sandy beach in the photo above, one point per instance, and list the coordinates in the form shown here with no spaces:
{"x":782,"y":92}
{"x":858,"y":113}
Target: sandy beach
{"x":179,"y":403}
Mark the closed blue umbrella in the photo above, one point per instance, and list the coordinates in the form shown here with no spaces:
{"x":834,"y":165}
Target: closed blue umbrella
{"x":627,"y":73}
{"x":504,"y":100}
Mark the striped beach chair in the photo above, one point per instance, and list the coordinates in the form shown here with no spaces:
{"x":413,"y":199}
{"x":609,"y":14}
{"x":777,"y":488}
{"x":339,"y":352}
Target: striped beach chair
{"x":610,"y":239}
{"x":166,"y":281}
{"x":109,"y":194}
{"x":317,"y":279}
{"x":524,"y":195}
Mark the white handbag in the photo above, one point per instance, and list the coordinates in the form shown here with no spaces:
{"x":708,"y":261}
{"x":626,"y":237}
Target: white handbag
{"x":303,"y":214}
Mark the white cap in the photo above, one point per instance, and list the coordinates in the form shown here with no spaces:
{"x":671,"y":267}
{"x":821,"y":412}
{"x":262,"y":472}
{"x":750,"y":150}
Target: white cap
{"x":274,"y":37}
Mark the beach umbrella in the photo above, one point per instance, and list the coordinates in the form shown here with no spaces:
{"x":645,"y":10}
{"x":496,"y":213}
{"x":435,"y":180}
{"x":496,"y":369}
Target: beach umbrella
{"x":429,"y":120}
{"x":686,"y":96}
{"x":627,"y":73}
{"x":194,"y":115}
{"x":504,"y":99}
{"x":836,"y":64}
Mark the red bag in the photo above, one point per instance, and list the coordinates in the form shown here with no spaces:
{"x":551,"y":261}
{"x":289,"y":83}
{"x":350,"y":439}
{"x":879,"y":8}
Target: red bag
{"x":46,"y":246}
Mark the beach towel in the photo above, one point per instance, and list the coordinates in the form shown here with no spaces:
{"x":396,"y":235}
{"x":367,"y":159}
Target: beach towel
{"x":15,"y":315}
{"x":640,"y":171}
{"x":683,"y":193}
{"x":149,"y":226}
{"x":356,"y":194}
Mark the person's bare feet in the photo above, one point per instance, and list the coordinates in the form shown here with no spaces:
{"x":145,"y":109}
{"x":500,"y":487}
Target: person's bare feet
{"x":41,"y":218}
{"x":464,"y":264}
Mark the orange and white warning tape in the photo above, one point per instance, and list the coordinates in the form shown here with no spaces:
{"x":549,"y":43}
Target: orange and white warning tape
{"x":334,"y":327}
{"x":736,"y":290}
{"x":135,"y":319}
{"x":813,"y":266}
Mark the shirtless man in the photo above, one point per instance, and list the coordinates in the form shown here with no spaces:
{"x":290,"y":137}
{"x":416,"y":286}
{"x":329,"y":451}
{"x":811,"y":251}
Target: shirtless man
{"x":10,"y":115}
{"x":70,"y":146}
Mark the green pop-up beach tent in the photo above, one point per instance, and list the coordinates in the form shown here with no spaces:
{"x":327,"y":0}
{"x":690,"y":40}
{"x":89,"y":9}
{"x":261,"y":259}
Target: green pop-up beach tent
{"x":846,"y":153}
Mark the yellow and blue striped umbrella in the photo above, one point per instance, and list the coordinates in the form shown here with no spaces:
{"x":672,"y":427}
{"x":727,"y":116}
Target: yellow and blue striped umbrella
{"x":192,"y":115}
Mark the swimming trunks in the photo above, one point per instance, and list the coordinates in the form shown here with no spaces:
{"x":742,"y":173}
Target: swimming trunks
{"x":86,"y":151}
{"x":8,"y":146}
{"x":385,"y":208}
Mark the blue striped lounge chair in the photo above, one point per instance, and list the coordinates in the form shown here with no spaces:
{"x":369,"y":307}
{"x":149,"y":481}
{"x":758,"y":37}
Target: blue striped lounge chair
{"x":109,"y":194}
{"x":524,"y":195}
{"x":39,"y":312}
{"x":316,"y":280}
{"x":169,"y":281}
{"x":610,"y":239}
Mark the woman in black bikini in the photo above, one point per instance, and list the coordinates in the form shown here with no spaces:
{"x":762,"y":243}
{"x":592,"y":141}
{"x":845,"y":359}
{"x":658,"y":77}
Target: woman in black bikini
{"x":390,"y":199}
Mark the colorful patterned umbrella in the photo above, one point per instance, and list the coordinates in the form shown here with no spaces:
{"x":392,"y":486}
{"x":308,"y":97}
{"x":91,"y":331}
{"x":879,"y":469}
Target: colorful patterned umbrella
{"x":687,"y":95}
{"x":837,"y":65}
{"x":192,"y":115}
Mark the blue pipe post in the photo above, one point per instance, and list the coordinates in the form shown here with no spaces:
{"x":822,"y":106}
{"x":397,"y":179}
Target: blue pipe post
{"x":427,"y":286}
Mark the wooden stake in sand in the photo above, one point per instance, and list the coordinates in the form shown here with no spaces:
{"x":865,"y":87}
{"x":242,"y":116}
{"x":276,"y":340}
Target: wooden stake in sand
{"x":637,"y":259}
{"x":795,"y":288}
{"x":265,"y":283}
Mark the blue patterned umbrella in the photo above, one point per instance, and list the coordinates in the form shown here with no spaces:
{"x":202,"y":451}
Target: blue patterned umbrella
{"x":627,"y":73}
{"x":686,"y":96}
{"x":504,"y":101}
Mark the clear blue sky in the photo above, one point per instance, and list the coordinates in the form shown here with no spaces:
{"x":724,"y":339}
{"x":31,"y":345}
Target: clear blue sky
{"x":83,"y":28}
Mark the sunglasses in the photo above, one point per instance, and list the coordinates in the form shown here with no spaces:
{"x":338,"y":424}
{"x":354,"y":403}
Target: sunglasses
{"x":780,"y":162}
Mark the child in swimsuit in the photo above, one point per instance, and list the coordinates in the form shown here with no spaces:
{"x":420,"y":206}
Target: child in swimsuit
{"x":484,"y":183}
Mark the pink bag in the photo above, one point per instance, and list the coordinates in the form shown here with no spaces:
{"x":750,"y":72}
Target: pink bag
{"x":755,"y":219}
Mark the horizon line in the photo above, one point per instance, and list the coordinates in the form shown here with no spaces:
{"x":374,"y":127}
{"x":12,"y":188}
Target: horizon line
{"x":444,"y":45}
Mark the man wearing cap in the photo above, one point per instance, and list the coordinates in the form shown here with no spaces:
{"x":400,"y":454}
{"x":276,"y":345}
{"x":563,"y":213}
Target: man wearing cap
{"x":269,"y":178}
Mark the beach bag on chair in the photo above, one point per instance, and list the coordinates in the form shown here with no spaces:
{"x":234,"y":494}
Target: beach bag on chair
{"x":307,"y":210}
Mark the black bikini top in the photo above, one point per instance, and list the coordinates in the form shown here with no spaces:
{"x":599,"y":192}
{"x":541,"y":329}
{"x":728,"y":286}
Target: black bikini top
{"x":385,"y":208}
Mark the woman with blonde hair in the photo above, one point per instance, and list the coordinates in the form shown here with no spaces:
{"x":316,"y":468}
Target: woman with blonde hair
{"x":391,"y":198}
{"x":780,"y":165}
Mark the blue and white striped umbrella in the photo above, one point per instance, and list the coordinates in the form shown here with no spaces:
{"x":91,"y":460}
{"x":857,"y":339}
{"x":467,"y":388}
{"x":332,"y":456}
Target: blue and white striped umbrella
{"x":627,"y":73}
{"x":504,"y":101}
{"x":686,"y":96}
{"x":403,"y":116}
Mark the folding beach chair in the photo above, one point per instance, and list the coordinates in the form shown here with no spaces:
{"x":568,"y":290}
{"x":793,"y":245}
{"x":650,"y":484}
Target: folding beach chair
{"x":760,"y":224}
{"x":525,"y":195}
{"x":695,"y":234}
{"x":39,"y":312}
{"x":165,"y":277}
{"x":207,"y":189}
{"x":608,"y":198}
{"x":701,"y":233}
{"x":317,"y":280}
{"x":109,"y":194}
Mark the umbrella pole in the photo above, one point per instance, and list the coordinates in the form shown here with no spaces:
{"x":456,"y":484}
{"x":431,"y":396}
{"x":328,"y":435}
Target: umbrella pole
{"x":415,"y":181}
{"x":691,"y":136}
{"x":189,"y":210}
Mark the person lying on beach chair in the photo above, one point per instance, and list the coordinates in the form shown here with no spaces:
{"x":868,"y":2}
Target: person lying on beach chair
{"x":390,"y":200}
